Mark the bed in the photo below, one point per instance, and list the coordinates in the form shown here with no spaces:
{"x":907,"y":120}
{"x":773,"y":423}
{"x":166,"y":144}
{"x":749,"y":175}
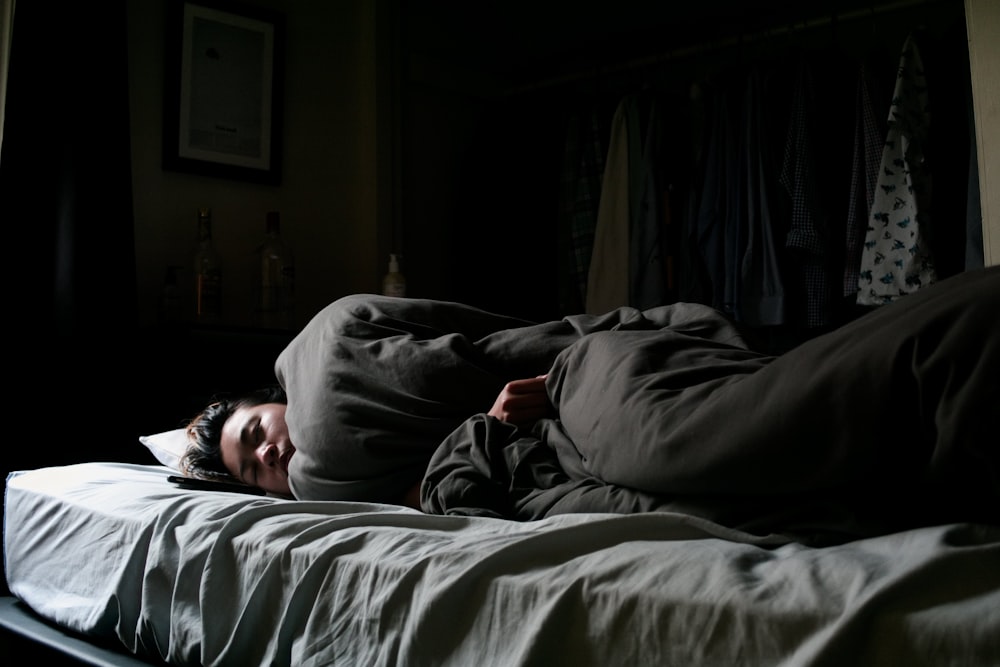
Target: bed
{"x":752,"y":510}
{"x":116,"y":553}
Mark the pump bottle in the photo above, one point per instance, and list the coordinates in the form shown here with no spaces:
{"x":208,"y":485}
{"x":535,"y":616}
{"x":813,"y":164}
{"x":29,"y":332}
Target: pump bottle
{"x":394,"y":284}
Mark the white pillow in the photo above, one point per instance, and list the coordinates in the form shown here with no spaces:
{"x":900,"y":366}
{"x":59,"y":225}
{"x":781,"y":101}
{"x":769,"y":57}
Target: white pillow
{"x":168,"y":447}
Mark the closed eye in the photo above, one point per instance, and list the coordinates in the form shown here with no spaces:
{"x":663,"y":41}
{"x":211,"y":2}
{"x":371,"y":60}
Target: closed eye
{"x":253,"y":435}
{"x":258,"y":438}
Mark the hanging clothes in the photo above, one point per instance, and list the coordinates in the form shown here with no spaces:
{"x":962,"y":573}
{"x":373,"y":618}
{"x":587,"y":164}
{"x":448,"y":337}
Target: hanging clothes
{"x":896,"y":259}
{"x":869,"y":137}
{"x":647,"y":274}
{"x":692,"y":278}
{"x":583,"y":169}
{"x":761,"y":291}
{"x":714,"y":235}
{"x":628,"y":208}
{"x":808,"y":239}
{"x":607,"y":277}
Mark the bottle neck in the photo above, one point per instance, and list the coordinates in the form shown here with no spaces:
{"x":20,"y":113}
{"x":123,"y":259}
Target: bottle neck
{"x":204,"y":230}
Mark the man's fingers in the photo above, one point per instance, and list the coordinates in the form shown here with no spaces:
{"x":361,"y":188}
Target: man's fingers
{"x":527,"y":385}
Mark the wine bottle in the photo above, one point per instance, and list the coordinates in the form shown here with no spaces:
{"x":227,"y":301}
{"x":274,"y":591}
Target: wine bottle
{"x":274,"y":278}
{"x":207,"y":273}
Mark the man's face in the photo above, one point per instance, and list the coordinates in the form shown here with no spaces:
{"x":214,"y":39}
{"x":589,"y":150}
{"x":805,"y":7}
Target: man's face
{"x":255,"y":447}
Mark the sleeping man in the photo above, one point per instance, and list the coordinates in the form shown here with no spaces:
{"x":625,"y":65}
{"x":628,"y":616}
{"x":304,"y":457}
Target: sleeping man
{"x":892,"y":420}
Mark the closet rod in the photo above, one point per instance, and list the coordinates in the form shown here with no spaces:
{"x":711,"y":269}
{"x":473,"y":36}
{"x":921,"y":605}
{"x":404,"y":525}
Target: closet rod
{"x":646,"y":61}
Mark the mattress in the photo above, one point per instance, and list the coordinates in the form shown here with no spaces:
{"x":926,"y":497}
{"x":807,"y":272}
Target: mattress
{"x":115,"y":552}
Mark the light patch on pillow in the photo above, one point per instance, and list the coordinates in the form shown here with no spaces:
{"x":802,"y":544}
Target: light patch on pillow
{"x":168,"y":447}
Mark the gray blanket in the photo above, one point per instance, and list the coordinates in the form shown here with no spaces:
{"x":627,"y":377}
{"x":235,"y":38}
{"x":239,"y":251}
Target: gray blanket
{"x":889,"y":422}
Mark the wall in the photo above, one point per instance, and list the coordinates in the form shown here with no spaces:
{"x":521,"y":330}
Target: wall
{"x":328,"y":196}
{"x":343,"y":162}
{"x":983,"y":21}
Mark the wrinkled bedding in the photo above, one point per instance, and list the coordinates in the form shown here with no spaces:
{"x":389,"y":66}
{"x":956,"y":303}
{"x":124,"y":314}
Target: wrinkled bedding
{"x":888,"y":423}
{"x":116,"y":552}
{"x":690,"y":501}
{"x":376,"y":383}
{"x":884,"y":424}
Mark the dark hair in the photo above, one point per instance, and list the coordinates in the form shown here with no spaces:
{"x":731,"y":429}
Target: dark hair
{"x":203,"y":457}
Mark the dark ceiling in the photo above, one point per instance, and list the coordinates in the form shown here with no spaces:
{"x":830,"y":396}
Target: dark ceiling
{"x":516,"y":39}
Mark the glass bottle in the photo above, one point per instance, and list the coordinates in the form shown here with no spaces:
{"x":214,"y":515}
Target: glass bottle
{"x":170,"y":309}
{"x":394,"y":284}
{"x":274,"y":278}
{"x":207,"y":272}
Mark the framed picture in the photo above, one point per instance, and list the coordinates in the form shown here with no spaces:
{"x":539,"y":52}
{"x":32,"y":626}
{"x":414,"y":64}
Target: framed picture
{"x":223,"y":103}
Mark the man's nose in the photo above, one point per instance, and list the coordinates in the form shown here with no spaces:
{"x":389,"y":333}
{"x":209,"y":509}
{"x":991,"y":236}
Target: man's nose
{"x":267,"y":453}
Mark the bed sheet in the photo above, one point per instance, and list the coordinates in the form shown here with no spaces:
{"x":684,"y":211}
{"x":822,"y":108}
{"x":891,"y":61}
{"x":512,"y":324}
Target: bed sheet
{"x":193,"y":577}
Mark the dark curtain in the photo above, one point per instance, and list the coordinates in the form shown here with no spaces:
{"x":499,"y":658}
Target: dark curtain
{"x":66,"y":208}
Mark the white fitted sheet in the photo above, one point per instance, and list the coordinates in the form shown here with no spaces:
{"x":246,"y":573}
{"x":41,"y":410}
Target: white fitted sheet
{"x":193,"y":577}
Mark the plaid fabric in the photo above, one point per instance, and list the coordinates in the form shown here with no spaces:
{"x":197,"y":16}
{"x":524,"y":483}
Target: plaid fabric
{"x":807,"y":237}
{"x":869,"y":133}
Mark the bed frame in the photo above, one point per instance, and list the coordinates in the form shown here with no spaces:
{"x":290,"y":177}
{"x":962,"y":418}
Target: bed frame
{"x":26,"y":637}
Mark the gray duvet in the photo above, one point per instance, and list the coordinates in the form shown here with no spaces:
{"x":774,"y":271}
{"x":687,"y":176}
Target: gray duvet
{"x":887,"y":423}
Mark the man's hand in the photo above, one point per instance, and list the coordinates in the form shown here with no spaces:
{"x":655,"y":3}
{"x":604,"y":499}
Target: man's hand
{"x":522,"y":402}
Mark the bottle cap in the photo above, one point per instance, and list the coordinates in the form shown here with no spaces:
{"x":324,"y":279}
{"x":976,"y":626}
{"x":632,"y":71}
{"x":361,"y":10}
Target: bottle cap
{"x":393,"y":263}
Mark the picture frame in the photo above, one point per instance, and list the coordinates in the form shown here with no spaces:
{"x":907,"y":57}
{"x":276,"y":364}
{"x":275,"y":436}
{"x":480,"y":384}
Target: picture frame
{"x":223,"y":90}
